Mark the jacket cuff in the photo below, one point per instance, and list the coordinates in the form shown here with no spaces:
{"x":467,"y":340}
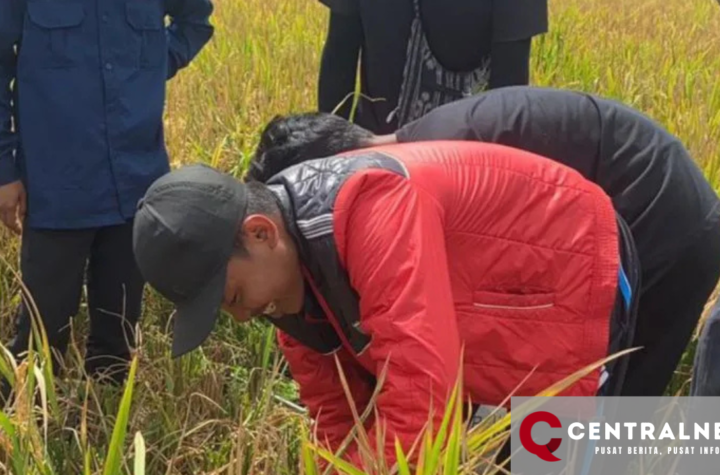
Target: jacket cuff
{"x":516,"y":20}
{"x":343,"y":7}
{"x":8,"y":170}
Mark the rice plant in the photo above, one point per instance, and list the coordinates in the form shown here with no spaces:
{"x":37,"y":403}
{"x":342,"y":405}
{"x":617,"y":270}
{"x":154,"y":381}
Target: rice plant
{"x":230,"y":408}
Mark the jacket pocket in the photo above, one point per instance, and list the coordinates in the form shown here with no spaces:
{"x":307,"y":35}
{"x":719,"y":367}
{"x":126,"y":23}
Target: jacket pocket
{"x":147,"y":21}
{"x":520,"y":303}
{"x":52,"y":35}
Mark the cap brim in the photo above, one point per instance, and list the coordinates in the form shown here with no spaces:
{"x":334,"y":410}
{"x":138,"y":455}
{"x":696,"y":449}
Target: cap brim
{"x":196,"y":318}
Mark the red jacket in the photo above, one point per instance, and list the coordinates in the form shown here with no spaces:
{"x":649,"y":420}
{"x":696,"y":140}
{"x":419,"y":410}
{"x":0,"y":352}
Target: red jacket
{"x":509,"y":254}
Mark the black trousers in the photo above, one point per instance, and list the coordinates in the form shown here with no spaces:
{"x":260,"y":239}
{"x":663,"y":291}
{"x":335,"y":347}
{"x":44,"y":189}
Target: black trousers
{"x":55,"y":265}
{"x":671,"y":303}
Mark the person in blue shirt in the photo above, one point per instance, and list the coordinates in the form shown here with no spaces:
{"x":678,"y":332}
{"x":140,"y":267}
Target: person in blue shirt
{"x":82,"y":91}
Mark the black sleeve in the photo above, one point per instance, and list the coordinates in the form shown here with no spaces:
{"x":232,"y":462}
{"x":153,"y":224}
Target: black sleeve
{"x":510,"y":63}
{"x":338,"y":65}
{"x":346,"y":7}
{"x":515,"y":22}
{"x":519,"y":19}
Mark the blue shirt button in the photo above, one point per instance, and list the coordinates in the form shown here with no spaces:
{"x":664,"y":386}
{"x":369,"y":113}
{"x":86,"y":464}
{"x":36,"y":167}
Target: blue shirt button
{"x":108,"y":66}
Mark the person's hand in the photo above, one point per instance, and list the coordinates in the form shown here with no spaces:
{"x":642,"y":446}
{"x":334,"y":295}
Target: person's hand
{"x":13,"y":205}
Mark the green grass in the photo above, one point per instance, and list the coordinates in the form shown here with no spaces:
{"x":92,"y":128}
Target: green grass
{"x":215,"y":410}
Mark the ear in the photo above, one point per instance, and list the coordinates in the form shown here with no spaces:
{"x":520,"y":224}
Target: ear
{"x":258,"y":229}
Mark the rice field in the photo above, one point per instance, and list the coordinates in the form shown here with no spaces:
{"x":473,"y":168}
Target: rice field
{"x":229,"y":407}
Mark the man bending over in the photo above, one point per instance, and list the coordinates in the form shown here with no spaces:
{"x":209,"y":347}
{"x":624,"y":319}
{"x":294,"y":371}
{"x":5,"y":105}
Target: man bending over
{"x":656,"y":187}
{"x":401,"y":255}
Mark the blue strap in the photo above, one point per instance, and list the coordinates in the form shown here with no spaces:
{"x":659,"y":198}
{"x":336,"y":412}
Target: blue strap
{"x":625,"y":288}
{"x":626,"y":291}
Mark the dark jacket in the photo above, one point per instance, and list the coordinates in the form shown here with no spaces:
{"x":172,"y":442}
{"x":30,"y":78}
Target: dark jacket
{"x":655,"y":185}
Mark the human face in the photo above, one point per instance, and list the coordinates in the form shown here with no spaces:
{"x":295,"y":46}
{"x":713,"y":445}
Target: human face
{"x":268,"y":280}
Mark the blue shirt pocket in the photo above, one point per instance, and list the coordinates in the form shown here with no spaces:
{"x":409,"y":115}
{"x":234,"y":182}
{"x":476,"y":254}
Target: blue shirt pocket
{"x":52,"y":35}
{"x":147,"y":21}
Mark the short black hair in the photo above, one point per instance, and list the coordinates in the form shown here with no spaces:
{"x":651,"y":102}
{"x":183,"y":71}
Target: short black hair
{"x":260,"y":200}
{"x":289,"y":140}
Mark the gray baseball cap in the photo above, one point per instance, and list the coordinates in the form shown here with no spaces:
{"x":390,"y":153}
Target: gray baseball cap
{"x":183,"y":238}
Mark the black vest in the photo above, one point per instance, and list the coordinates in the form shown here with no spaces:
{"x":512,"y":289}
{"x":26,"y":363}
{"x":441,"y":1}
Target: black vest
{"x":307,"y":194}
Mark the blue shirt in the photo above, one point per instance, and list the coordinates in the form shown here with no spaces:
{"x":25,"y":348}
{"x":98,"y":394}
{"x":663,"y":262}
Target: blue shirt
{"x":82,"y":125}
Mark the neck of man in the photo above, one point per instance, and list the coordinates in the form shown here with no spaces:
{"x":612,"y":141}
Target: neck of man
{"x":378,"y":140}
